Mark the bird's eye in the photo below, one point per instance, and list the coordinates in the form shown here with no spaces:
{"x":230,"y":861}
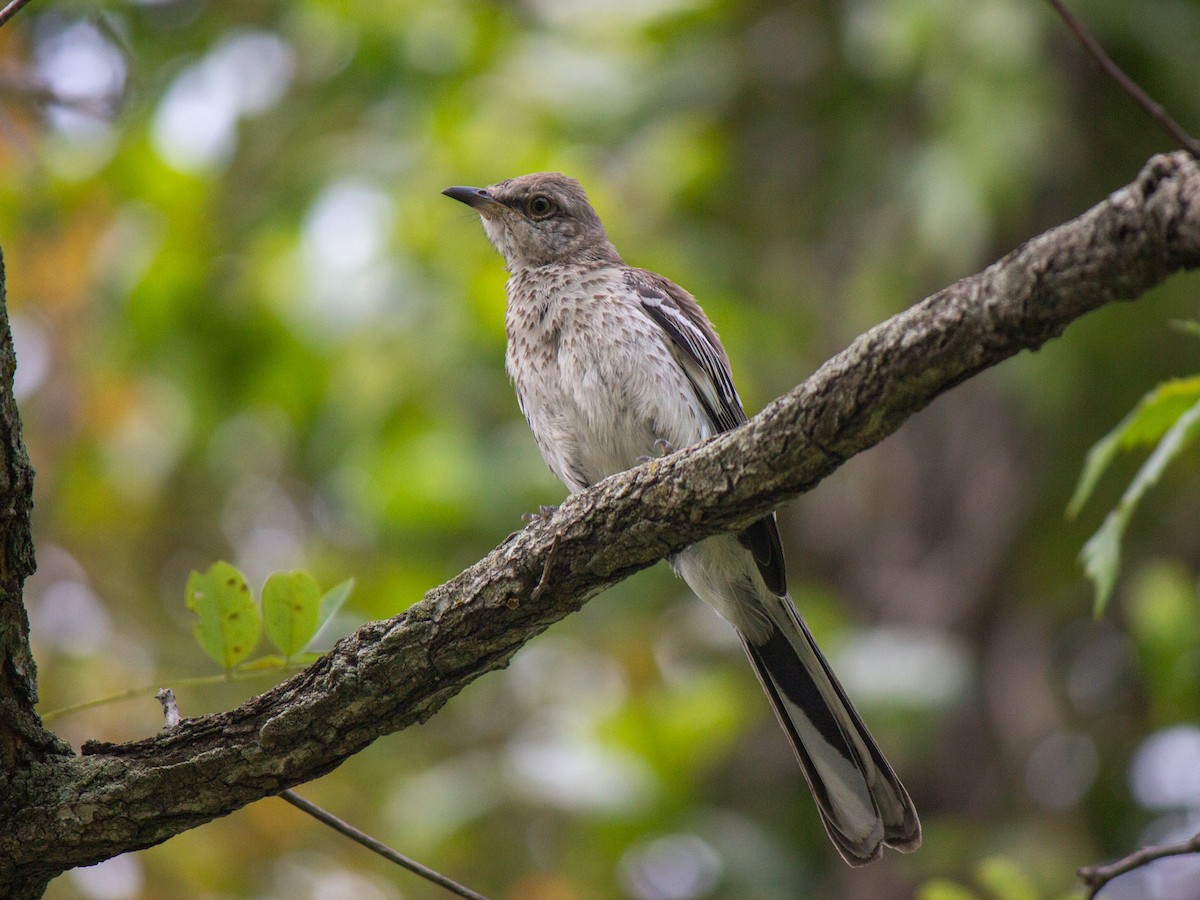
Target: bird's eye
{"x":540,"y":206}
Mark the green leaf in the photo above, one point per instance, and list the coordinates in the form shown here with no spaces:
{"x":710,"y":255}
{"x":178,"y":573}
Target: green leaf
{"x":1098,"y":459}
{"x":1004,"y":879}
{"x":1186,"y":326}
{"x":943,"y":889}
{"x":270,"y":661}
{"x":1159,"y":410}
{"x":1146,"y":423}
{"x":290,"y":607}
{"x":1101,"y":555}
{"x":227,"y":623}
{"x":333,"y":600}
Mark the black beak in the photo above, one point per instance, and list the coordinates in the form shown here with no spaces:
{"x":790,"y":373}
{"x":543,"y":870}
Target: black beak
{"x":477,"y":198}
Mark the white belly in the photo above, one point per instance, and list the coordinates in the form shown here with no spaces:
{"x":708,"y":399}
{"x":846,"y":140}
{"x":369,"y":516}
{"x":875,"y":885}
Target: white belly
{"x":599,"y":386}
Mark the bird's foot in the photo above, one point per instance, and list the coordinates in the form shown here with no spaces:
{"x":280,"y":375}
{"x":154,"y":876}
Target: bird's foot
{"x":544,"y":512}
{"x":662,"y":447}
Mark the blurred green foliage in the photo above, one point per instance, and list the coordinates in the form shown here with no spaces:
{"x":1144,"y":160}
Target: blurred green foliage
{"x":249,"y":327}
{"x":1165,"y":419}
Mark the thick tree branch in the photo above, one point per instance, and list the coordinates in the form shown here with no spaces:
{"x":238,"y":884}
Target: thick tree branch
{"x":68,"y":811}
{"x":22,"y":738}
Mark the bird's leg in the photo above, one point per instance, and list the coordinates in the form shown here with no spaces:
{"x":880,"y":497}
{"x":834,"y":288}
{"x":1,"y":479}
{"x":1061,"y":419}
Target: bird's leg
{"x":544,"y":578}
{"x":662,"y":447}
{"x":544,"y":512}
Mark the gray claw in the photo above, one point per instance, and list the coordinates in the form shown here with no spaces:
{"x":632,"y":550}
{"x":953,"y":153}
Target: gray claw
{"x":661,"y":447}
{"x":542,"y":513}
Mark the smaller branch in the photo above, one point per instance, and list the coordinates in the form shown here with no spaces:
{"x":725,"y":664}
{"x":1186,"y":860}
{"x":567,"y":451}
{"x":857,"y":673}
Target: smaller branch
{"x":382,"y":849}
{"x":1131,"y":87}
{"x":11,"y":10}
{"x":166,"y":697}
{"x":1096,"y":877}
{"x":171,"y":717}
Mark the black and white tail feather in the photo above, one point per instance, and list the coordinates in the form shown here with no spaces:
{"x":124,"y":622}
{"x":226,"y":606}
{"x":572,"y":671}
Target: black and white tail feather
{"x":862,"y":803}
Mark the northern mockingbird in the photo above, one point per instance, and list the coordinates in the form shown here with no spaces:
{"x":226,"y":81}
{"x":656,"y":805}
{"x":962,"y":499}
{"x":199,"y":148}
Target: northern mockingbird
{"x":611,"y":363}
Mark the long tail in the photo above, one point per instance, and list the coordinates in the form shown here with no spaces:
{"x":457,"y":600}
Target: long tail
{"x":862,"y":802}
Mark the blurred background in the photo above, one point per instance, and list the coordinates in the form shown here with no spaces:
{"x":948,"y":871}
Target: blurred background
{"x":250,"y":328}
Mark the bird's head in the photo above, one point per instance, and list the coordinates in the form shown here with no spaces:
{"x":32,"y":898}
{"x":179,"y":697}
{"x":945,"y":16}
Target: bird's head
{"x":540,"y":219}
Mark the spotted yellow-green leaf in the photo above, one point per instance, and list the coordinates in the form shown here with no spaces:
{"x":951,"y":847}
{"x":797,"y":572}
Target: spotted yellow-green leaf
{"x":227,"y":624}
{"x":291,"y":601}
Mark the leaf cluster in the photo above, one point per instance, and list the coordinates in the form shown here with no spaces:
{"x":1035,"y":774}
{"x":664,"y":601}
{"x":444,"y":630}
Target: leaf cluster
{"x":229,"y":622}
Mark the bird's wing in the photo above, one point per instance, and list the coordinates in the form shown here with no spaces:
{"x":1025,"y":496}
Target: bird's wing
{"x":696,"y":346}
{"x":694,"y":343}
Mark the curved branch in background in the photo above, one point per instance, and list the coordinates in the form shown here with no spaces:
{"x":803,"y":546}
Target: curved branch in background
{"x":64,"y":812}
{"x":11,"y":9}
{"x":1096,"y":877}
{"x":1155,"y":109}
{"x":378,"y":847}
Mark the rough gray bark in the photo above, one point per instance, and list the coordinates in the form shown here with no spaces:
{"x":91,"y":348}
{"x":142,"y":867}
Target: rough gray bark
{"x":22,"y":738}
{"x":60,"y":811}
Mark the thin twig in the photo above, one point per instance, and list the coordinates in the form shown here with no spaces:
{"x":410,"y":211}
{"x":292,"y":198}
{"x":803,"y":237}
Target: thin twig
{"x":1096,"y":877}
{"x":11,"y":10}
{"x":1131,"y":87}
{"x":240,"y":674}
{"x":166,"y":697}
{"x":382,"y":849}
